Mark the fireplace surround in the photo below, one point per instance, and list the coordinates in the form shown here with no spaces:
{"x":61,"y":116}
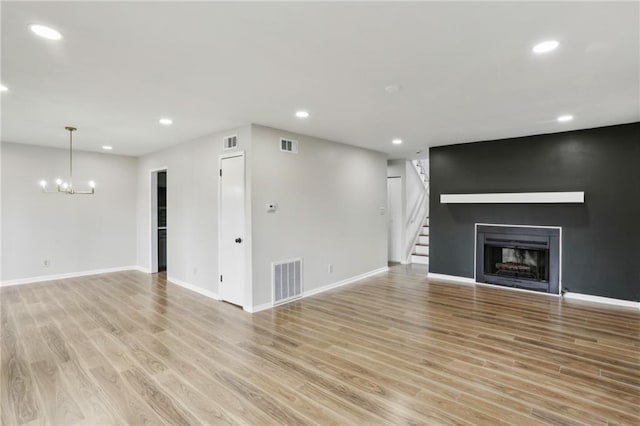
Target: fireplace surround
{"x":523,"y":257}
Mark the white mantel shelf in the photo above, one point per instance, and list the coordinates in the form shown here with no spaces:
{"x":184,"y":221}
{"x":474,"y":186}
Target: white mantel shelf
{"x":513,"y":198}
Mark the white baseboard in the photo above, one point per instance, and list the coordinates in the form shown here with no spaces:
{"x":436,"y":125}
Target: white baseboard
{"x":454,"y":278}
{"x":43,"y":278}
{"x":344,"y":282}
{"x":601,"y":299}
{"x":194,"y":288}
{"x":144,"y":270}
{"x":258,"y":308}
{"x":319,"y":290}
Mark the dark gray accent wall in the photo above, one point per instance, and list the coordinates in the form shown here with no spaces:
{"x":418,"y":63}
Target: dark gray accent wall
{"x":601,"y":238}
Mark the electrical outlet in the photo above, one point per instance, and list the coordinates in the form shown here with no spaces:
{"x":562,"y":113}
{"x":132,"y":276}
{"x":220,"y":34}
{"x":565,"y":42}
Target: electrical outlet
{"x":46,"y":263}
{"x":330,"y":268}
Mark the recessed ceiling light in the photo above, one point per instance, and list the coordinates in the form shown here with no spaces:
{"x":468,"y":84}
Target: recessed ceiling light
{"x":545,"y":46}
{"x":302,"y":114}
{"x":565,"y":118}
{"x":107,"y":147}
{"x":46,"y":32}
{"x":165,"y":121}
{"x":392,"y":88}
{"x":3,"y":88}
{"x":396,"y":141}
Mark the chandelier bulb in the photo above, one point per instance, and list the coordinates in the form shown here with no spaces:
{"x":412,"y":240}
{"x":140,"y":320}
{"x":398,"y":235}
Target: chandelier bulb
{"x":58,"y":182}
{"x":65,"y":185}
{"x":92,"y":184}
{"x":43,"y":183}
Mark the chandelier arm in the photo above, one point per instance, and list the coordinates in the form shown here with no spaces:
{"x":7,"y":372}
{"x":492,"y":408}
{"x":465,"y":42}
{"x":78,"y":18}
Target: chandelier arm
{"x":58,"y":190}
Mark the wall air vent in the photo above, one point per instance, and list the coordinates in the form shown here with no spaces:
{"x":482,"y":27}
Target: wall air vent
{"x":286,"y":279}
{"x":230,"y":142}
{"x":289,"y":145}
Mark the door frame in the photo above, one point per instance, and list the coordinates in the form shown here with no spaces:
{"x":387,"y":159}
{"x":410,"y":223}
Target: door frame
{"x":402,"y":238}
{"x":153,"y":218}
{"x":247,"y":303}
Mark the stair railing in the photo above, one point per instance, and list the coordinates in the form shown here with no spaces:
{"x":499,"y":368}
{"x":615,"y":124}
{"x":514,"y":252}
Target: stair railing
{"x":419,"y":168}
{"x":415,"y":213}
{"x":419,"y":210}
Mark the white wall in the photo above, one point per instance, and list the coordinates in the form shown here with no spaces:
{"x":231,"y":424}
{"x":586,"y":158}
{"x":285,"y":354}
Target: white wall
{"x":398,"y":168}
{"x":192,"y":207}
{"x":76,"y":233}
{"x":328,"y":197}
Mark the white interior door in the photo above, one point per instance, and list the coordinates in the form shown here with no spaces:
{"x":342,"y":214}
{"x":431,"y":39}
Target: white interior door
{"x":231,"y":232}
{"x":394,"y":207}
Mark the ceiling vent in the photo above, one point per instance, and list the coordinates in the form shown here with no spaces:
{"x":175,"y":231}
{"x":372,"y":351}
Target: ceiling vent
{"x":230,"y":142}
{"x":289,"y":145}
{"x":286,"y":280}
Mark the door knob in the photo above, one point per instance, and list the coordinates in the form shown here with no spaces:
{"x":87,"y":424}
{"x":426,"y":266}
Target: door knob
{"x":238,"y":240}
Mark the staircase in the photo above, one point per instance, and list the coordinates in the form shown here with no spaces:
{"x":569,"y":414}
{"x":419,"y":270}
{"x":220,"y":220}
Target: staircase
{"x":420,"y":253}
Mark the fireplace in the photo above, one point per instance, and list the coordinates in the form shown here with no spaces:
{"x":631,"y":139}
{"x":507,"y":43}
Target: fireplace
{"x":520,"y":257}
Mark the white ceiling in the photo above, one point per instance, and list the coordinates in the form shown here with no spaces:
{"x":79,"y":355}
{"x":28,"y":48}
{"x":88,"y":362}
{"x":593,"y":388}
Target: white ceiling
{"x":466,"y":70}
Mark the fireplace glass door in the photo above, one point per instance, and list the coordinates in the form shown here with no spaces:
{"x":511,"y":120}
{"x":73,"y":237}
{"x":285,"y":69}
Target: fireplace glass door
{"x":517,"y":262}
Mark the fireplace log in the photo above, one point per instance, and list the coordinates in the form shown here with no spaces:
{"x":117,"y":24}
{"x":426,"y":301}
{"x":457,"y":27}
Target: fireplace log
{"x":512,"y":266}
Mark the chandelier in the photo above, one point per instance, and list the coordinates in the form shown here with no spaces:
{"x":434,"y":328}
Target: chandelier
{"x":64,"y":187}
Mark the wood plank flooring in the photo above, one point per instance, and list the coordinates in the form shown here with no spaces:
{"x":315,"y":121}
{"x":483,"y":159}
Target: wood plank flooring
{"x":131,"y":348}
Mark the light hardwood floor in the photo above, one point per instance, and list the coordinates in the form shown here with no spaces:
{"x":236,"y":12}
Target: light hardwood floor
{"x":129,"y":348}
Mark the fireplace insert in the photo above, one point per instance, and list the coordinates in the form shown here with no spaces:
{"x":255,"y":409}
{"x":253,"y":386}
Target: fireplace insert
{"x":521,"y":257}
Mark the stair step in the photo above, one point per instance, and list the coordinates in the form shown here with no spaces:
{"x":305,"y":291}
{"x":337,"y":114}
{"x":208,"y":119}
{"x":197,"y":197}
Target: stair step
{"x":424,"y":260}
{"x":423,"y":239}
{"x":422,"y":250}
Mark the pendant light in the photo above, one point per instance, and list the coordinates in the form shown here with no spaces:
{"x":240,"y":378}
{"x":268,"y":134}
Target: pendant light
{"x":66,"y":187}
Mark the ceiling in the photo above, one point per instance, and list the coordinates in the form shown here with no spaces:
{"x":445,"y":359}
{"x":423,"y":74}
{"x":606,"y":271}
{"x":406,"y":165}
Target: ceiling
{"x":466,"y":71}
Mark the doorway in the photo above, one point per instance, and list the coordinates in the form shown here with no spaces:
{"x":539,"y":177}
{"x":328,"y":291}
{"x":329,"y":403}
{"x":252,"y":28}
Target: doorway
{"x":158,"y":221}
{"x":231,"y":243}
{"x":395,"y":225}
